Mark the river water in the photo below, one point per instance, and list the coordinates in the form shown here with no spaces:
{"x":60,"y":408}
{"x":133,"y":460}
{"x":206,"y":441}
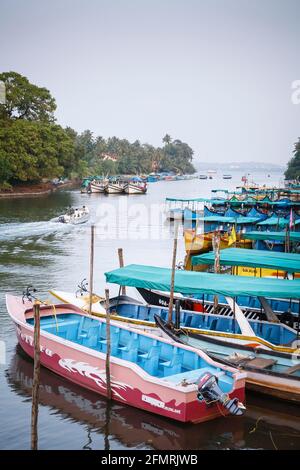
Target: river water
{"x":36,"y":250}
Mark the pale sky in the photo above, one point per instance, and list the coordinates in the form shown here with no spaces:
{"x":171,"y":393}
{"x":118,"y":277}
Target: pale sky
{"x":214,"y":73}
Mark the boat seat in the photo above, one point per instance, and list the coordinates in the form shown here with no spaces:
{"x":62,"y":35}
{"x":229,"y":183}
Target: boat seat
{"x":150,"y":361}
{"x":293,"y":369}
{"x":260,"y":363}
{"x":174,"y":365}
{"x":195,"y":321}
{"x":130,"y":351}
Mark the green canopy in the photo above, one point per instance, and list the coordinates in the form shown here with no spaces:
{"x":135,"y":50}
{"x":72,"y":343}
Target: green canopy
{"x":280,"y":221}
{"x":273,"y":236}
{"x":289,"y":262}
{"x":189,"y":282}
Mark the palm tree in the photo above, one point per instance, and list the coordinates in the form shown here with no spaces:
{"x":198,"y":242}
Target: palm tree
{"x":167,"y":139}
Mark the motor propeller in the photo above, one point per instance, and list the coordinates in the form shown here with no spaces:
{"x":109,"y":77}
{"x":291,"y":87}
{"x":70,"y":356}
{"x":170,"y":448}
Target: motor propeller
{"x":210,"y":392}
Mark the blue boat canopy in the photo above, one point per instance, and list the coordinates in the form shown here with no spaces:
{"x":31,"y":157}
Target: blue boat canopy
{"x":289,"y":262}
{"x":189,"y":282}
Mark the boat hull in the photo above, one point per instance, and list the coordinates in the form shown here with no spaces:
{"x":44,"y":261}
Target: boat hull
{"x":135,"y":189}
{"x":130,"y":384}
{"x":97,"y":188}
{"x":114,"y":189}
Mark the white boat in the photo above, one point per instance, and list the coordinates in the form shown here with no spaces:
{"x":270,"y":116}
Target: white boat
{"x":75,"y":216}
{"x":114,"y":188}
{"x":135,"y":188}
{"x":97,"y":186}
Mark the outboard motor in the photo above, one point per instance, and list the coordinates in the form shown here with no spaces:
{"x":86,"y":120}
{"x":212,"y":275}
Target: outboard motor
{"x":61,"y":219}
{"x":210,"y":392}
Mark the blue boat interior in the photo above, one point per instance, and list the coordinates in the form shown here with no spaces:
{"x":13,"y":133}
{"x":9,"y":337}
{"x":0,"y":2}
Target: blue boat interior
{"x":277,"y":305}
{"x":275,"y":333}
{"x":156,"y":357}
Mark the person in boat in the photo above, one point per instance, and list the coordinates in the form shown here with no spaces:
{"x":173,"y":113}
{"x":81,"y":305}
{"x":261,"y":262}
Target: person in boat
{"x":70,"y":210}
{"x":85,"y":209}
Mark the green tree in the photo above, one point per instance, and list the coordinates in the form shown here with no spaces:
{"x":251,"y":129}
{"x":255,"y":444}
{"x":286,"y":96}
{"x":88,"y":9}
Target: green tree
{"x":167,"y":139}
{"x":25,"y":100}
{"x":293,"y":170}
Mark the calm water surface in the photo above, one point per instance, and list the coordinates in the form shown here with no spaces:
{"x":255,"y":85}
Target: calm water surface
{"x":36,"y":250}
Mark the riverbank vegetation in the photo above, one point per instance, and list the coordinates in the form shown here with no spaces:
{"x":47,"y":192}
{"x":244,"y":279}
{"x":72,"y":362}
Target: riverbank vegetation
{"x":34,"y":147}
{"x":293,"y":168}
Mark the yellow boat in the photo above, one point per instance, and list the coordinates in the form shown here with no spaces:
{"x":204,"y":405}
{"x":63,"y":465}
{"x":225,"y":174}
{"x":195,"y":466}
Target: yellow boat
{"x":202,"y":242}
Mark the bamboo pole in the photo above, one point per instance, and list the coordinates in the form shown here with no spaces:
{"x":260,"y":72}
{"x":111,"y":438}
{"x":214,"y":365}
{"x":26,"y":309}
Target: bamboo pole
{"x":36,"y":378}
{"x":108,"y":345}
{"x":91,"y":267}
{"x":173,"y":273}
{"x":121,"y":264}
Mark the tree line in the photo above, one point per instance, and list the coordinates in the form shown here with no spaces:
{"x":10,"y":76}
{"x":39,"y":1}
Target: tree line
{"x":33,"y":146}
{"x":293,"y":168}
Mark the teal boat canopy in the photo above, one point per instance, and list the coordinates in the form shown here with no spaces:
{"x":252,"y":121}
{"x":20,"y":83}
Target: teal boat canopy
{"x":280,"y":221}
{"x":272,"y":236}
{"x":189,"y":282}
{"x":289,"y":262}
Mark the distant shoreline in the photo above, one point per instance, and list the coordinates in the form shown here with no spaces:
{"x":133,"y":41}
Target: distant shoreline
{"x":36,"y":190}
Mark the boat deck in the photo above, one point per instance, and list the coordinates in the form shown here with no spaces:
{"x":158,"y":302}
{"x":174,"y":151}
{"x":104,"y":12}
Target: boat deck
{"x":157,"y":358}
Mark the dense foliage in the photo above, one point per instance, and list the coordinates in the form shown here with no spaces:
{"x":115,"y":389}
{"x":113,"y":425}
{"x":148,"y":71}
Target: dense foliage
{"x":33,"y":146}
{"x":293,"y":169}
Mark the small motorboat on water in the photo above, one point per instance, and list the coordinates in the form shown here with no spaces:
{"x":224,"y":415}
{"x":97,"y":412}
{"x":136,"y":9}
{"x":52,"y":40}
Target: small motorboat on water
{"x":227,"y":177}
{"x":147,"y":371}
{"x":75,"y":216}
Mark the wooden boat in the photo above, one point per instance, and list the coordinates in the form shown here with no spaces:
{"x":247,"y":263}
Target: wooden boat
{"x":75,"y":216}
{"x":253,"y":262}
{"x":269,"y":372}
{"x":114,"y":187}
{"x":135,"y":187}
{"x":269,"y":335}
{"x":147,"y":372}
{"x":97,"y":186}
{"x":286,"y":310}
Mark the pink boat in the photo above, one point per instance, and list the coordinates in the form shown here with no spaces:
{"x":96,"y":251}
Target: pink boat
{"x":147,"y":371}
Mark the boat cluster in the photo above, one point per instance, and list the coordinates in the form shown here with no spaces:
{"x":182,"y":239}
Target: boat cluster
{"x":193,"y":346}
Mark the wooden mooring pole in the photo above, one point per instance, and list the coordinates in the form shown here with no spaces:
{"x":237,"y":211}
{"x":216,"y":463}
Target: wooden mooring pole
{"x":91,"y":268}
{"x":171,"y":302}
{"x":121,"y":264}
{"x":108,"y":345}
{"x":36,"y":378}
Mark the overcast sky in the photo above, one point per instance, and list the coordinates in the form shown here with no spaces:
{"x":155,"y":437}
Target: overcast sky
{"x":214,"y":73}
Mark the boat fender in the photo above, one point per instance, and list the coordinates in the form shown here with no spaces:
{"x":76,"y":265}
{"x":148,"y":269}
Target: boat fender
{"x":210,"y":392}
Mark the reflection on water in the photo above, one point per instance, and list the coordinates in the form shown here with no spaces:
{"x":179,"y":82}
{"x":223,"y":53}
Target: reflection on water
{"x":36,"y":250}
{"x":133,"y":428}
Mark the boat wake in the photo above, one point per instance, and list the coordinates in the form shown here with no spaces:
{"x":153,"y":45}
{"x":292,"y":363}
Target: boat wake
{"x":29,"y":230}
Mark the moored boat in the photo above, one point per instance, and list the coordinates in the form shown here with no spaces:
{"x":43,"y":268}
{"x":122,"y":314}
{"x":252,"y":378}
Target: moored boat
{"x":97,"y":186}
{"x":135,"y":186}
{"x":115,"y":187}
{"x":147,"y":372}
{"x":268,"y":372}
